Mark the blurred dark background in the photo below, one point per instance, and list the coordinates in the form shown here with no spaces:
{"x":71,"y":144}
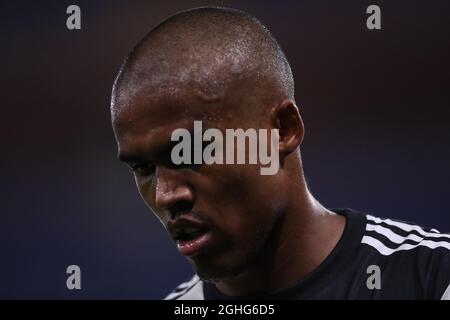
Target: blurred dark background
{"x":375,"y":104}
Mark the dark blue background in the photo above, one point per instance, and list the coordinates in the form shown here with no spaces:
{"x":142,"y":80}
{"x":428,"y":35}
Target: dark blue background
{"x":375,"y":105}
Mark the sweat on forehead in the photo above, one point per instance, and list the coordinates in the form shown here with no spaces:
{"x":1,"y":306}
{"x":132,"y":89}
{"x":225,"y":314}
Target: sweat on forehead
{"x":209,"y":49}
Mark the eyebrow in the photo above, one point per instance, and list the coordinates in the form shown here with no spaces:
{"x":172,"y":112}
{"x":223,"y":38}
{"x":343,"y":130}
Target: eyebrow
{"x":168,"y":145}
{"x":157,"y":151}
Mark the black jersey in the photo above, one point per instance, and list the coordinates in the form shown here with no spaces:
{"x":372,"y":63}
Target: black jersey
{"x":374,"y":259}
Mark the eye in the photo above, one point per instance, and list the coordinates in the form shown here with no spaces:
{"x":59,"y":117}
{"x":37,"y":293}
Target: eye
{"x":143,"y":169}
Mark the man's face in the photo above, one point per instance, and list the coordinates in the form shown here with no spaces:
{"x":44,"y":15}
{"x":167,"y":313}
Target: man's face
{"x":220,"y":215}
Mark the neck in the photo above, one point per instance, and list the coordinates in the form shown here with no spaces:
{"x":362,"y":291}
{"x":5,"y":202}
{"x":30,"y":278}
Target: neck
{"x":305,"y":235}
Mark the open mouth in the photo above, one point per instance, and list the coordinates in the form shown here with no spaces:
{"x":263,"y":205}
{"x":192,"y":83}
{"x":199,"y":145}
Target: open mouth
{"x":191,"y":240}
{"x":188,"y":234}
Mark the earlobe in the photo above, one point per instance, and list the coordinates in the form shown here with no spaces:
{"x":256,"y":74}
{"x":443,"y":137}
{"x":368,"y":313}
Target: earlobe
{"x":286,"y":118}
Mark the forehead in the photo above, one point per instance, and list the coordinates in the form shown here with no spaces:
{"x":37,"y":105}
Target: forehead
{"x":146,"y":119}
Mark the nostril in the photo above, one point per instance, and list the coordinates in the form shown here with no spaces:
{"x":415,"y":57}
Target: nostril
{"x":170,"y":190}
{"x":179,"y":207}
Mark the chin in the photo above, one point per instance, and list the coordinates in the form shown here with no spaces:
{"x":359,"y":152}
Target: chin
{"x":210,"y":271}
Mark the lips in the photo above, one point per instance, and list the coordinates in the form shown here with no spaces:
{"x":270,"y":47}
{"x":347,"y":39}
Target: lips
{"x":191,"y":236}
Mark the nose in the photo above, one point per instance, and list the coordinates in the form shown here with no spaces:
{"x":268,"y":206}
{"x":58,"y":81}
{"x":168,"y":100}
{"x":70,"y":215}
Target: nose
{"x":171,"y":191}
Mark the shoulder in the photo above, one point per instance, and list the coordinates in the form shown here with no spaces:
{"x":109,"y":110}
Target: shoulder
{"x":386,"y":237}
{"x":410,"y":247}
{"x":389,"y":236}
{"x":189,"y":290}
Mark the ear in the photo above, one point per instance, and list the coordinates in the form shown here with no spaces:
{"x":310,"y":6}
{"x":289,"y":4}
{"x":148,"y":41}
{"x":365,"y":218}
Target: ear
{"x":286,"y":118}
